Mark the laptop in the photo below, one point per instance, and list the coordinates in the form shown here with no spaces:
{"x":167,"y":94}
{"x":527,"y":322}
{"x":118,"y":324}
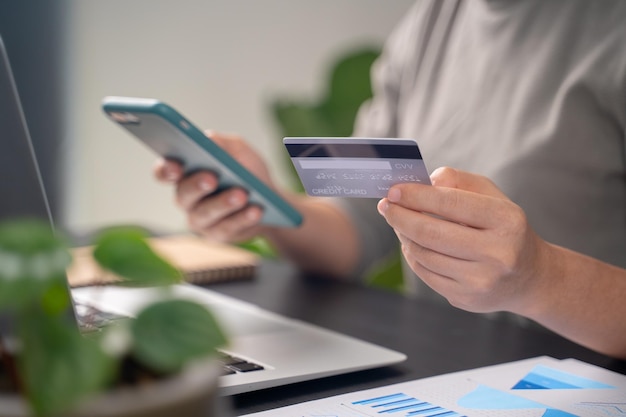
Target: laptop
{"x":265,"y":349}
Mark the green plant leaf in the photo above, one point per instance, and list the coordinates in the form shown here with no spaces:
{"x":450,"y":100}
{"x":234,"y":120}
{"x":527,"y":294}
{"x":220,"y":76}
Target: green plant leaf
{"x":260,"y":246}
{"x":125,"y":252}
{"x":349,"y":87}
{"x":29,"y":236}
{"x":56,"y":365}
{"x":59,"y":366}
{"x":388,"y":275}
{"x":301,"y":119}
{"x":32,"y":259}
{"x":168,"y":334}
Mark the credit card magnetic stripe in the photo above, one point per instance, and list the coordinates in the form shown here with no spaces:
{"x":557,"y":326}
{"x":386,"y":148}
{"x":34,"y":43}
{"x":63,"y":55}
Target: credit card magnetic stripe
{"x":345,"y":150}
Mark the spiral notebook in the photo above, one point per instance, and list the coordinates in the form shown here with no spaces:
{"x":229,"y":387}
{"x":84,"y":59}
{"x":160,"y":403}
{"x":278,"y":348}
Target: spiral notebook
{"x":200,"y":261}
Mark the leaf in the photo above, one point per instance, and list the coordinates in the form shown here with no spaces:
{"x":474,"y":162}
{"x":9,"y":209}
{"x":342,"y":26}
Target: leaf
{"x":125,"y":252}
{"x":169,"y":334}
{"x":350,"y":77}
{"x":58,"y":364}
{"x":389,"y":274}
{"x":28,"y":236}
{"x":32,"y":259}
{"x":349,"y":87}
{"x":17,"y":292}
{"x":260,"y":246}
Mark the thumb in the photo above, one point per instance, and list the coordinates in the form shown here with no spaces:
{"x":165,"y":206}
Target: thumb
{"x":462,"y":180}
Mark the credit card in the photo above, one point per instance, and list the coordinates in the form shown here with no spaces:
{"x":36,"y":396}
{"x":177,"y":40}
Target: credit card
{"x":355,"y":167}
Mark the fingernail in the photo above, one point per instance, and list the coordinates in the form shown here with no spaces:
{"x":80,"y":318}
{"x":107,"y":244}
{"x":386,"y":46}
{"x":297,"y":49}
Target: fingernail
{"x":253,"y":215}
{"x":394,"y":195}
{"x":382,"y":206}
{"x":234,"y":200}
{"x":204,"y":185}
{"x":170,"y":174}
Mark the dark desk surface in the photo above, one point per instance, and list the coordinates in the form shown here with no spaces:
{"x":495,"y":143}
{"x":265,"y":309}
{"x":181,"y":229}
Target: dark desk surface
{"x":436,"y":337}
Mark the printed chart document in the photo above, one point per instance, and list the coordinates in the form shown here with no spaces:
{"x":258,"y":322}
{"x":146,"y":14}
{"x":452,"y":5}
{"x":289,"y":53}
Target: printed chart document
{"x":537,"y":387}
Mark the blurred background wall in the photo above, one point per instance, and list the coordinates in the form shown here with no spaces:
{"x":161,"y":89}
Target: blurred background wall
{"x":220,"y":62}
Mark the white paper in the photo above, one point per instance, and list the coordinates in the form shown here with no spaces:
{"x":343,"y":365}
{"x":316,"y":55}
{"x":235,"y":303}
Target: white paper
{"x":537,"y":387}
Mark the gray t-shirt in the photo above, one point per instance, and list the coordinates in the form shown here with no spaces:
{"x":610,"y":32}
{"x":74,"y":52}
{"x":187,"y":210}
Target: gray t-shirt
{"x":531,"y":94}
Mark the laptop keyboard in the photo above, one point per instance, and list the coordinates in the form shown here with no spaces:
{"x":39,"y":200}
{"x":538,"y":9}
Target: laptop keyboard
{"x":232,"y":364}
{"x":91,"y":319}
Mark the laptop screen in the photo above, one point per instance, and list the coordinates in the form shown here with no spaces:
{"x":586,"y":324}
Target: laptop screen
{"x":21,"y":189}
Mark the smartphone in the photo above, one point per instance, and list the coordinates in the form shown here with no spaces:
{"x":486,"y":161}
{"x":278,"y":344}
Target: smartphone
{"x":169,"y":134}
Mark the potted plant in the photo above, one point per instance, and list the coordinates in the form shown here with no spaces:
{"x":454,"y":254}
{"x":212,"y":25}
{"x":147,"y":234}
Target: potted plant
{"x":161,"y":363}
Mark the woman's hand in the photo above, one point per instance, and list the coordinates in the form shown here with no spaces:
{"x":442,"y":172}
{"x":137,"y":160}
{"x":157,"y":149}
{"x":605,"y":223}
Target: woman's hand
{"x":465,"y":239}
{"x":225,"y":216}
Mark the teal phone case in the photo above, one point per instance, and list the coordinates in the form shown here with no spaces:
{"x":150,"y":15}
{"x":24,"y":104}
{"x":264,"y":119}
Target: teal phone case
{"x":170,"y":135}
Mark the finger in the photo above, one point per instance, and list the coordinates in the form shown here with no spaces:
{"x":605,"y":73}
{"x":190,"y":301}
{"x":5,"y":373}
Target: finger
{"x":454,"y":178}
{"x":443,"y":285}
{"x":167,"y":170}
{"x":435,"y":233}
{"x":461,"y":206}
{"x":472,"y":277}
{"x":192,"y":189}
{"x":456,"y":291}
{"x":472,"y":294}
{"x":441,"y":264}
{"x":240,"y":226}
{"x":448,"y":288}
{"x":213,"y":209}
